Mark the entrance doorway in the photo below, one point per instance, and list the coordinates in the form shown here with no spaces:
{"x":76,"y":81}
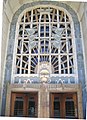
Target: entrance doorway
{"x":24,"y":104}
{"x":63,"y":105}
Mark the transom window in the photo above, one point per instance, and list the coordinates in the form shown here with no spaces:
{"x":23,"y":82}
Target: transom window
{"x":45,"y":37}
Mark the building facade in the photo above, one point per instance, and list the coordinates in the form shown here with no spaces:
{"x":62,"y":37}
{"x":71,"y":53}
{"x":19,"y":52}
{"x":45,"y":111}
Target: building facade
{"x":44,"y":68}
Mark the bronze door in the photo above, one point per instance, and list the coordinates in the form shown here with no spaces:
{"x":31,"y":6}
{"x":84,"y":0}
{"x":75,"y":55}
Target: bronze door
{"x":63,"y":105}
{"x":24,"y":104}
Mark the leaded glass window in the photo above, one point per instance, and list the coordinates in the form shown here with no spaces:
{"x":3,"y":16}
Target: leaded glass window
{"x":45,"y":36}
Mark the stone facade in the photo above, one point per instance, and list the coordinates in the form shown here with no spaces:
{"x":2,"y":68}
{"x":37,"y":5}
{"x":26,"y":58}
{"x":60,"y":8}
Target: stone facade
{"x":79,"y":51}
{"x":43,"y":96}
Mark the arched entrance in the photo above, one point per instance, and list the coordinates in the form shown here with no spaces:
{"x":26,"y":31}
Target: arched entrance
{"x":45,"y":34}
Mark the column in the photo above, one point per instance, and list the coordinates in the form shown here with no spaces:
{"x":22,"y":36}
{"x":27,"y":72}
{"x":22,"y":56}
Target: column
{"x":43,"y":102}
{"x":79,"y":95}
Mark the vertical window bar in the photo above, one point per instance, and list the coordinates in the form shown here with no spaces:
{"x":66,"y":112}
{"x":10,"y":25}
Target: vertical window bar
{"x":58,"y":18}
{"x":67,"y":46}
{"x":39,"y":45}
{"x":50,"y":41}
{"x":59,"y":57}
{"x":22,"y":45}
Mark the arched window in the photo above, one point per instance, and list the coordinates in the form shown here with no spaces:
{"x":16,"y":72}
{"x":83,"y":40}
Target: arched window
{"x":45,"y":40}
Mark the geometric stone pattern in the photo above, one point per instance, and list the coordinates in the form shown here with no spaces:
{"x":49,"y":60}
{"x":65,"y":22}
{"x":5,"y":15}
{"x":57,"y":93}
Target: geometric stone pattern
{"x":20,"y":80}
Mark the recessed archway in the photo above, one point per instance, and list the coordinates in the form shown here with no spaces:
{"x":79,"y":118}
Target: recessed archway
{"x":12,"y":38}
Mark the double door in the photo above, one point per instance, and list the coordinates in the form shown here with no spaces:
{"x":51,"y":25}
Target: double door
{"x":63,"y":105}
{"x":24,"y":104}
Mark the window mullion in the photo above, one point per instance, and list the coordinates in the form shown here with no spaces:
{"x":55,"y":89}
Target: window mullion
{"x":29,"y":60}
{"x":67,"y":45}
{"x":39,"y":46}
{"x":59,"y":55}
{"x":57,"y":18}
{"x":21,"y":58}
{"x":22,"y":45}
{"x":29,"y":63}
{"x":31,"y":18}
{"x":44,"y":33}
{"x":50,"y":42}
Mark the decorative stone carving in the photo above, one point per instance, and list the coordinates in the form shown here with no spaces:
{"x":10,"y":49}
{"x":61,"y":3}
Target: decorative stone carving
{"x":26,"y":82}
{"x":57,"y":36}
{"x":44,"y":71}
{"x":44,"y":11}
{"x":60,"y":81}
{"x":31,"y":36}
